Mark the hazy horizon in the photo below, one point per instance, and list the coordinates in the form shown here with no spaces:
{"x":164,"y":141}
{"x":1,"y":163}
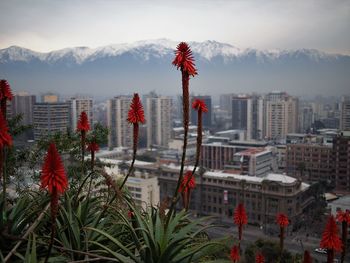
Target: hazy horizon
{"x":51,"y":25}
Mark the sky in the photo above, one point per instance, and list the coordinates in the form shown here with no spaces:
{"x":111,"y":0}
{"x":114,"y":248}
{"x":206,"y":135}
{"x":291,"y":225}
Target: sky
{"x":263,"y":24}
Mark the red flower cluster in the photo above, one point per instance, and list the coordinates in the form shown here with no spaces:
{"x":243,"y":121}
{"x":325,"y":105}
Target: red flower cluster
{"x":240,"y":218}
{"x":259,"y":258}
{"x":188,"y":182}
{"x":199,"y":105}
{"x":83,"y":123}
{"x":53,"y":175}
{"x":343,"y":216}
{"x":5,"y":90}
{"x":234,"y":254}
{"x":330,"y":239}
{"x":5,"y":137}
{"x":184,"y":59}
{"x":93,"y":147}
{"x":240,"y":215}
{"x":136,"y":113}
{"x":282,"y":220}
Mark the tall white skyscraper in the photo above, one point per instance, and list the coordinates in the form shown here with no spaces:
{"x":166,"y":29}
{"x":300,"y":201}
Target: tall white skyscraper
{"x":158,"y":120}
{"x":120,"y":131}
{"x":281,"y":115}
{"x":345,"y":113}
{"x":76,"y":107}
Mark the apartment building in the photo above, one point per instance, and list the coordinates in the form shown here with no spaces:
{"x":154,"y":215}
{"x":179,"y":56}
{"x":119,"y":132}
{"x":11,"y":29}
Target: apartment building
{"x":76,"y":107}
{"x":50,"y":118}
{"x":158,"y":120}
{"x":281,"y":113}
{"x":341,"y":162}
{"x":120,"y":131}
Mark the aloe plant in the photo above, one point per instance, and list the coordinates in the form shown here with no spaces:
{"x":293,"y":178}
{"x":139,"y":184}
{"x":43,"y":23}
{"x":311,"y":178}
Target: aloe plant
{"x":181,"y":241}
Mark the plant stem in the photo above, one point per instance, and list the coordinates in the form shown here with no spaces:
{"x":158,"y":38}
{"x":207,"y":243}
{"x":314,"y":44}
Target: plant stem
{"x":28,"y":232}
{"x":344,"y":240}
{"x":135,"y":130}
{"x":185,"y":109}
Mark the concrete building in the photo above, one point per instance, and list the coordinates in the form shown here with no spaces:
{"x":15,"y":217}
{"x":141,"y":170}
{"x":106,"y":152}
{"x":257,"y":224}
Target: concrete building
{"x":306,"y":119}
{"x":216,"y":155}
{"x":218,"y":194}
{"x":254,"y":162}
{"x":206,"y":117}
{"x":142,"y":184}
{"x":158,"y":120}
{"x":247,"y":114}
{"x":76,"y":107}
{"x":50,"y":118}
{"x":281,"y":115}
{"x":49,"y":98}
{"x":309,"y":161}
{"x":120,"y":131}
{"x":345,"y":113}
{"x":23,"y":103}
{"x":341,"y":162}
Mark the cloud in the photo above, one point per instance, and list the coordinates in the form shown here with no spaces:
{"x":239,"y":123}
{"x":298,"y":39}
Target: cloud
{"x":47,"y":25}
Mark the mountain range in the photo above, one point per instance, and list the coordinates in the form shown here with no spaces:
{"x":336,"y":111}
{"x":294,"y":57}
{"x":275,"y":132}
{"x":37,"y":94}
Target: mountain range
{"x":144,"y":66}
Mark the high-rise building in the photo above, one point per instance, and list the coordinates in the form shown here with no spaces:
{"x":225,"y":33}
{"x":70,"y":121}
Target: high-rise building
{"x":248,"y":114}
{"x":158,"y":120}
{"x":206,"y":117}
{"x":120,"y":131}
{"x":341,"y":163}
{"x":226,"y":102}
{"x":345,"y":113}
{"x":49,"y":98}
{"x":50,"y":118}
{"x":23,"y":103}
{"x":281,"y":115}
{"x":306,"y":118}
{"x":76,"y":107}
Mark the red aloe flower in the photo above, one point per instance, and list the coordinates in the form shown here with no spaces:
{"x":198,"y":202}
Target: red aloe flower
{"x":188,"y":183}
{"x":283,"y":221}
{"x":199,"y":105}
{"x":5,"y":137}
{"x":330,"y":239}
{"x":93,"y":147}
{"x":259,"y":258}
{"x":54,"y":178}
{"x":53,"y":175}
{"x":83,"y":126}
{"x":307,"y":257}
{"x":240,"y":218}
{"x":184,"y":59}
{"x":5,"y":94}
{"x":135,"y":115}
{"x":5,"y":140}
{"x":234,"y":254}
{"x":83,"y":123}
{"x":344,"y":218}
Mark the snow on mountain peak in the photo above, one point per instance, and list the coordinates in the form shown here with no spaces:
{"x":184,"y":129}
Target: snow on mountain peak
{"x":147,"y":48}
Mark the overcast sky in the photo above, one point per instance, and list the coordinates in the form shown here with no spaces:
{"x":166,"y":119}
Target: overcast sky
{"x":263,"y":24}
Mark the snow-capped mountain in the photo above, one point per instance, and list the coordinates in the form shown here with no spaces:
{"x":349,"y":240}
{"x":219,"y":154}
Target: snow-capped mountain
{"x":147,"y":64}
{"x":157,"y":48}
